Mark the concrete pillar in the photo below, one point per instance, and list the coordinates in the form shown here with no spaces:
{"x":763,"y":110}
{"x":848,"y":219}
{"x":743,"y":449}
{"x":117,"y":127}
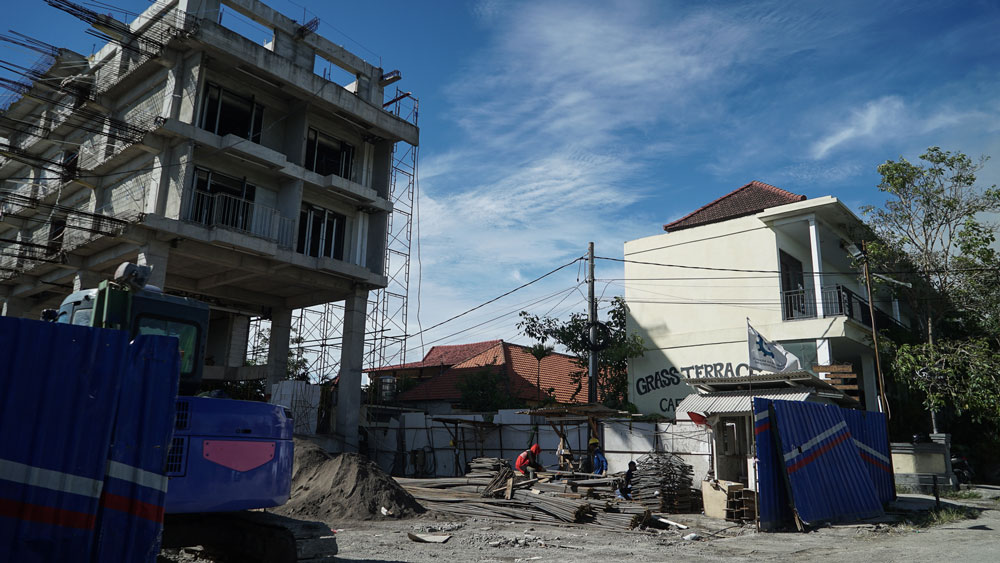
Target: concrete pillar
{"x":286,"y":45}
{"x":177,"y":186}
{"x":296,"y":129}
{"x":155,"y":253}
{"x":15,"y":307}
{"x":869,"y":381}
{"x":382,"y":168}
{"x":378,"y":225}
{"x":817,"y":265}
{"x":85,"y":279}
{"x":824,"y":356}
{"x":277,"y":350}
{"x":352,"y":353}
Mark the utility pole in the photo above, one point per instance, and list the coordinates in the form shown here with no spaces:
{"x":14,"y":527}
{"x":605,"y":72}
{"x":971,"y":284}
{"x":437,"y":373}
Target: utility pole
{"x":883,"y":403}
{"x":592,"y":337}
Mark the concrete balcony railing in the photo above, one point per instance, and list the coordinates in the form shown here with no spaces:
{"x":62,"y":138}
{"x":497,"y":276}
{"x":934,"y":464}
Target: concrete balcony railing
{"x":244,"y":216}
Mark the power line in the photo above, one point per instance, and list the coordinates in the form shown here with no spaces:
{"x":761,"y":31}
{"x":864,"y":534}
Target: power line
{"x":804,"y":272}
{"x":480,"y":306}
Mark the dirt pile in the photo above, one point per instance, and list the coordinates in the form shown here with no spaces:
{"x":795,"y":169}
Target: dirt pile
{"x":336,"y":487}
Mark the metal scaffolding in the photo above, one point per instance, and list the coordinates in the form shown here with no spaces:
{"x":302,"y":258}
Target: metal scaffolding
{"x":317,"y":332}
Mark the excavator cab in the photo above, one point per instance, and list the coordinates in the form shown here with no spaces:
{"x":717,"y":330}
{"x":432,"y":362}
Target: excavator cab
{"x":225,"y":454}
{"x":127,"y":303}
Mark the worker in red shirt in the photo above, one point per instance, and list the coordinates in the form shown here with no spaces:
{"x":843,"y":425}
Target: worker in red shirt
{"x":527,"y":462}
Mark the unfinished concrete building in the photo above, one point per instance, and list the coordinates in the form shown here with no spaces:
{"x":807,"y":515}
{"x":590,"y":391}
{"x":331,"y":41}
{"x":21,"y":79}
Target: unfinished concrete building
{"x":241,"y":176}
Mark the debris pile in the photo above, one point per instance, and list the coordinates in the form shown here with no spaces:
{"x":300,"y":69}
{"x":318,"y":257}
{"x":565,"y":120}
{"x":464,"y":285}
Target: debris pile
{"x":337,"y":487}
{"x":662,"y":483}
{"x":559,"y":497}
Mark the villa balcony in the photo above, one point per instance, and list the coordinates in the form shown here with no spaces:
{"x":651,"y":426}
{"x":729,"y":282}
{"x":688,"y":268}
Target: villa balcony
{"x":836,"y":300}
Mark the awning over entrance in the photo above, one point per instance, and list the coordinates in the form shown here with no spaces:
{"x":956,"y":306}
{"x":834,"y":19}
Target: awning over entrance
{"x":721,"y":402}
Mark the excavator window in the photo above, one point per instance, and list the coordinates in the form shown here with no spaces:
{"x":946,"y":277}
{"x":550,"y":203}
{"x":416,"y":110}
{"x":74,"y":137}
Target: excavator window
{"x":186,"y":333}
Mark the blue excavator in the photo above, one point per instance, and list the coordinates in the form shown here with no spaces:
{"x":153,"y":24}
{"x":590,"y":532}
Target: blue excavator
{"x":226,"y":456}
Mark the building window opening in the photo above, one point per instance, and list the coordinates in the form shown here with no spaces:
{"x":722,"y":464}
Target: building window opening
{"x":57,"y":233}
{"x":225,"y":112}
{"x":797,"y":303}
{"x":70,"y":165}
{"x":326,"y":155}
{"x":321,"y":233}
{"x":221,"y":200}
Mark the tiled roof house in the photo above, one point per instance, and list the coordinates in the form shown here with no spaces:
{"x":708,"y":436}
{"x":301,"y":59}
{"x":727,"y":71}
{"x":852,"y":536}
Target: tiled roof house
{"x":441,"y":370}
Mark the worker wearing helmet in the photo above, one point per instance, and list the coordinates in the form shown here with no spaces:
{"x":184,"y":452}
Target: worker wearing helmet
{"x":600,"y":463}
{"x":527,"y":462}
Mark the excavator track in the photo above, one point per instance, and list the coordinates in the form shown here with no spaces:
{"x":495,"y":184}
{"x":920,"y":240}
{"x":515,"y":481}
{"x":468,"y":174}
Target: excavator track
{"x":251,"y":537}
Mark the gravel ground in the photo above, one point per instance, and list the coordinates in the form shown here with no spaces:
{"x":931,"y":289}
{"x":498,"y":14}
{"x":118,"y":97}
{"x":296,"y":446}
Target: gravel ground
{"x":967,"y":541}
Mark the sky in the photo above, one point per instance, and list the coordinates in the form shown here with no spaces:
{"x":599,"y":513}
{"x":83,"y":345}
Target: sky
{"x":545,"y":125}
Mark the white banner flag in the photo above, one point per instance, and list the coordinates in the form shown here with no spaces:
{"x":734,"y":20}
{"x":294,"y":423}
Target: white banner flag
{"x":769,"y":356}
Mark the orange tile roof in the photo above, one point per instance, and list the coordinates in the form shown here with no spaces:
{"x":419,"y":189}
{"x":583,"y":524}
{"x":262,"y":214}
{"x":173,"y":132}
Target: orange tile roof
{"x":444,"y":356}
{"x":747,"y":200}
{"x":521,"y":368}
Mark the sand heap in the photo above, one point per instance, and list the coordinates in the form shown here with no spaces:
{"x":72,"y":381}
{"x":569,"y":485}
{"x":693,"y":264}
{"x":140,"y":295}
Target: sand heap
{"x":331,"y":487}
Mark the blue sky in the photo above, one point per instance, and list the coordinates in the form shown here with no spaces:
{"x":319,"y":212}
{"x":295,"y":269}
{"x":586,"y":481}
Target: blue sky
{"x":545,"y":125}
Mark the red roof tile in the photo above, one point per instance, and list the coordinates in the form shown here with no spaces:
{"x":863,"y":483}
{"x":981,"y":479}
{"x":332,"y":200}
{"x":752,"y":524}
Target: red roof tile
{"x":444,"y":356}
{"x":520,"y":366}
{"x":751,"y":198}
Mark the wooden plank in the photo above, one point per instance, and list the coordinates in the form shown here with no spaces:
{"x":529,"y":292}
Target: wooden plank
{"x":833,"y":368}
{"x":510,"y":488}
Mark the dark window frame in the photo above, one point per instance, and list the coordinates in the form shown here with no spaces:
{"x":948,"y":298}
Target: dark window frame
{"x":212,"y":113}
{"x":204,"y":208}
{"x":317,"y":225}
{"x":326,"y":154}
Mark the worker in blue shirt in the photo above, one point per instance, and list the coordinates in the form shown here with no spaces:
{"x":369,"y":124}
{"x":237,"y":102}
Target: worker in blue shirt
{"x":600,"y":462}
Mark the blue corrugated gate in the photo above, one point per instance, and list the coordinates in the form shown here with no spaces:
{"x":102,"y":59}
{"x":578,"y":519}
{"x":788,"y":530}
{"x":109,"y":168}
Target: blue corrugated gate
{"x":772,"y":494}
{"x":808,"y":460}
{"x":61,"y":387}
{"x":131,"y":514}
{"x":871,"y":435}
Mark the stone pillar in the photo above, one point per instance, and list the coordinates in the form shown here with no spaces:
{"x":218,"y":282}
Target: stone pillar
{"x":277,"y":350}
{"x":85,"y":279}
{"x":352,"y":353}
{"x":155,"y":253}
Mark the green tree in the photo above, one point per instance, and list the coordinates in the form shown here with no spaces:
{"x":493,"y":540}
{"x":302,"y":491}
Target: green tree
{"x":612,"y":379}
{"x":486,"y":390}
{"x":931,"y":233}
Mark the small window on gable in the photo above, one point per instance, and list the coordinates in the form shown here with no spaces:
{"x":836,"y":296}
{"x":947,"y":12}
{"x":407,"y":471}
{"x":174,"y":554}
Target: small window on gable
{"x":224,"y":112}
{"x":326,"y":155}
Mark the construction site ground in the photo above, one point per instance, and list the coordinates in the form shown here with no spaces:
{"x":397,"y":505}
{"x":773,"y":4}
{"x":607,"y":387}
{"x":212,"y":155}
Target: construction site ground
{"x":479,"y":539}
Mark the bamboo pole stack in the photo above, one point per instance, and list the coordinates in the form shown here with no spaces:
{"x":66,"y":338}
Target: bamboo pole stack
{"x":662,"y":483}
{"x":493,"y":490}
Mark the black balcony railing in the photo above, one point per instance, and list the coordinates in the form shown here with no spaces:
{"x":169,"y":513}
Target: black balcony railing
{"x":837,"y":301}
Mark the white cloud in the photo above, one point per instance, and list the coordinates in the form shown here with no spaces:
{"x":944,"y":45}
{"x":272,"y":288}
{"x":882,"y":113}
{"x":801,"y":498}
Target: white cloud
{"x":877,"y":118}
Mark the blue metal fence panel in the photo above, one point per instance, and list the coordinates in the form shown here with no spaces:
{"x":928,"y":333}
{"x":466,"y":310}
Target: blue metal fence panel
{"x":131,"y":514}
{"x":772,"y":494}
{"x":827,"y":479}
{"x":871,"y":436}
{"x":59,"y":385}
